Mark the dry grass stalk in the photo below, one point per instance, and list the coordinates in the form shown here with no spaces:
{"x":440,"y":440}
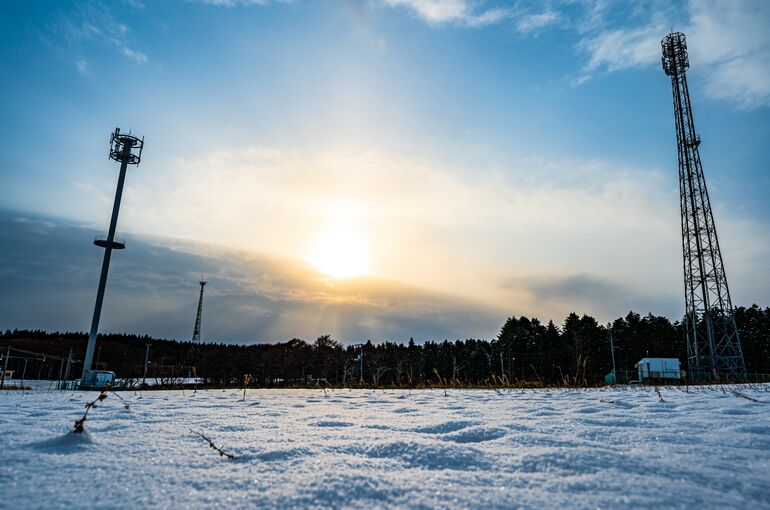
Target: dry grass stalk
{"x":219,"y":450}
{"x":741,"y":395}
{"x":90,"y":405}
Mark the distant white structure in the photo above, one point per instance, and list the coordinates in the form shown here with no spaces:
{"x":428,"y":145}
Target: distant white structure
{"x":658,"y":368}
{"x":102,"y":378}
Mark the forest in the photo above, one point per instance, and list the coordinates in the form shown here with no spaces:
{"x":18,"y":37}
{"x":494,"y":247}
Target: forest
{"x":526,"y":352}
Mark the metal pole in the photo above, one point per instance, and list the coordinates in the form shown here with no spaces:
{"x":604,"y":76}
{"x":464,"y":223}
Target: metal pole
{"x":146,"y":357}
{"x":61,"y":372}
{"x":105,"y":266}
{"x":362,"y":364}
{"x":69,"y":364}
{"x":612,"y":348}
{"x":24,"y":372}
{"x":5,"y":367}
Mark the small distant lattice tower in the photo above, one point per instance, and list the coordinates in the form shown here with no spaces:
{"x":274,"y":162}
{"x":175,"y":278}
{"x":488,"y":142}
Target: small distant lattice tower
{"x":196,"y":338}
{"x":126,"y":149}
{"x":713,"y":343}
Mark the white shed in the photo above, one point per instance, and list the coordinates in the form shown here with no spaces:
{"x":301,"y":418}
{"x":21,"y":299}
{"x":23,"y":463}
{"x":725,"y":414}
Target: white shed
{"x":658,"y":368}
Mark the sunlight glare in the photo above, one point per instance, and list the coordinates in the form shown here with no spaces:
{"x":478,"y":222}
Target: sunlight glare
{"x":341,"y":252}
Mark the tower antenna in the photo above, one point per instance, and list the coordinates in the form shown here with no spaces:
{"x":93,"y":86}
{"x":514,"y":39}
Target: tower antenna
{"x":126,"y":149}
{"x":713,"y":342}
{"x":196,"y":338}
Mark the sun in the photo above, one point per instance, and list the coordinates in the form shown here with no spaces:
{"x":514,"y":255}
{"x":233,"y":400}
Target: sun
{"x":341,"y":252}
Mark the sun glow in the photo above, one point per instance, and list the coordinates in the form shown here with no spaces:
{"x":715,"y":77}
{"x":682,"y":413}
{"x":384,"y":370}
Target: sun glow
{"x":341,"y":252}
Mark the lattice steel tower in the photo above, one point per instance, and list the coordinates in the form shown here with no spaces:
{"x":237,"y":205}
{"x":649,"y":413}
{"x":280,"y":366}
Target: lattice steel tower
{"x":196,"y":338}
{"x":713,"y":343}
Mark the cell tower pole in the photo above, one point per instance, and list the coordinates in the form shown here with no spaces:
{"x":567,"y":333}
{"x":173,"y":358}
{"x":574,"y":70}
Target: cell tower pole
{"x":122,"y":149}
{"x":713,"y":342}
{"x":196,"y":338}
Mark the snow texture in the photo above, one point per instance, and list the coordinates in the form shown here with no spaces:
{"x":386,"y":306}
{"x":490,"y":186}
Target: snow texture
{"x":387,"y":449}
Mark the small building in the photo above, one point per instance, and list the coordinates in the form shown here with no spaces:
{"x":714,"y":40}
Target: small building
{"x":658,"y":368}
{"x":98,"y":379}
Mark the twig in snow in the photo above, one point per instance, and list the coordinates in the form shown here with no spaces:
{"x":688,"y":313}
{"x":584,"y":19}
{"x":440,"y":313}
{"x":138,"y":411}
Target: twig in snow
{"x":741,"y":395}
{"x":659,"y":395}
{"x":246,"y":382}
{"x":79,"y":423}
{"x":221,"y":452}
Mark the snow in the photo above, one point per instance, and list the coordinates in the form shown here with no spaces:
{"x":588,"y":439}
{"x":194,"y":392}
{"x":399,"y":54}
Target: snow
{"x":392,"y":448}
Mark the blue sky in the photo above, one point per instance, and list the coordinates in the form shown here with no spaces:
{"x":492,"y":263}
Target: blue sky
{"x":519,"y":155}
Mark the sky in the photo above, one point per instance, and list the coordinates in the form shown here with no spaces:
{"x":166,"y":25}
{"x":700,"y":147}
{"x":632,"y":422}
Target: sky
{"x":375,"y":169}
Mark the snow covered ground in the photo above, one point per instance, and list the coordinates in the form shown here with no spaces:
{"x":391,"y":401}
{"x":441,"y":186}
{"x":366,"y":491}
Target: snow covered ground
{"x":368,"y":449}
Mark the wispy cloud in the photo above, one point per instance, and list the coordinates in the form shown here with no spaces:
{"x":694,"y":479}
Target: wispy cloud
{"x":136,"y":56}
{"x":732,"y":40}
{"x":613,"y":50}
{"x":460,"y":12}
{"x":591,"y":294}
{"x":233,"y":3}
{"x":95,"y":23}
{"x":250,"y":296}
{"x":532,"y":22}
{"x":728,"y":42}
{"x":81,"y":65}
{"x":523,"y":215}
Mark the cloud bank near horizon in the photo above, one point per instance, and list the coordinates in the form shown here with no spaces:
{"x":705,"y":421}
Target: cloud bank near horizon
{"x":49,"y":274}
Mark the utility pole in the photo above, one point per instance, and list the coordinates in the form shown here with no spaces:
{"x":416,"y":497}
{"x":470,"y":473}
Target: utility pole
{"x":61,"y":373}
{"x":121,"y":150}
{"x":362,"y":364}
{"x":502,"y":366}
{"x":24,"y":373}
{"x":146,"y":358}
{"x":612,"y":351}
{"x":5,"y":366}
{"x":713,"y":342}
{"x":69,"y":364}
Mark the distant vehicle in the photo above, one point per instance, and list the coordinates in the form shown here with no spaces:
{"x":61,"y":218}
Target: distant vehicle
{"x":658,"y":369}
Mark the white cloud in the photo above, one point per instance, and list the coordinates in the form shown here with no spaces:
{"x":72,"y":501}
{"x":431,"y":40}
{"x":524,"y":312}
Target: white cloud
{"x":95,"y":23}
{"x":728,"y":44}
{"x":623,"y":48}
{"x":533,"y":22}
{"x":232,"y":3}
{"x":81,"y":65}
{"x":731,"y":41}
{"x":432,"y":225}
{"x":461,"y":12}
{"x":136,"y":56}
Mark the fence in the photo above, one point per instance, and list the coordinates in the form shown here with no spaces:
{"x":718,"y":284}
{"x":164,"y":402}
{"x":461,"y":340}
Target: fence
{"x":681,"y":377}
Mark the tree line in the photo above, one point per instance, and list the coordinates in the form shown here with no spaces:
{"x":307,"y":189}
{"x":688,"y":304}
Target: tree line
{"x":576,"y":352}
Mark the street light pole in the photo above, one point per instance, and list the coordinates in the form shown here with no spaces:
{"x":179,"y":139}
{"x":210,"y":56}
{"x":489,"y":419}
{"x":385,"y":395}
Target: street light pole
{"x":146,"y":357}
